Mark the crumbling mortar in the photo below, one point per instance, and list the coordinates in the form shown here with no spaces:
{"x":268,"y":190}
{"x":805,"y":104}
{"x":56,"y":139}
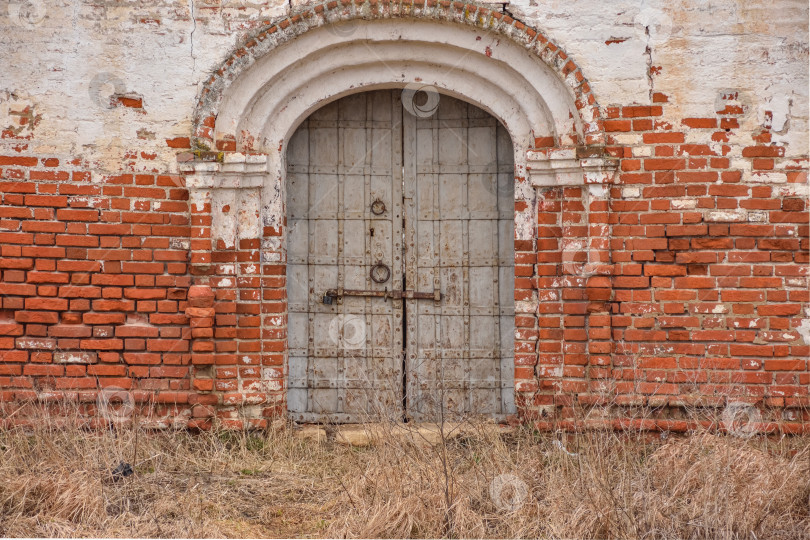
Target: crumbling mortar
{"x":648,"y":53}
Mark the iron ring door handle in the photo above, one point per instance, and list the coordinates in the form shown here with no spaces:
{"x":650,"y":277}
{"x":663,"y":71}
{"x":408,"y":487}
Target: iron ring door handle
{"x":378,"y":207}
{"x":380,"y":273}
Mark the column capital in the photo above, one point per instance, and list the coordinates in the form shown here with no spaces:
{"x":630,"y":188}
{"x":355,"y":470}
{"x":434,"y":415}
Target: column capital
{"x":573,"y":166}
{"x":223,"y":170}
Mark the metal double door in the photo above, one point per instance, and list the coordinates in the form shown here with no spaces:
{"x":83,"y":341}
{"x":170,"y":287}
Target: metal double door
{"x":400,"y":262}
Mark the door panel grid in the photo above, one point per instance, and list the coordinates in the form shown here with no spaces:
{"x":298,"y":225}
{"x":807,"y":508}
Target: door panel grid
{"x":450,"y":176}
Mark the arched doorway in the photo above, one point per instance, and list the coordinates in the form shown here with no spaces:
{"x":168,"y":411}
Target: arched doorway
{"x":247,"y":115}
{"x":400,"y":260}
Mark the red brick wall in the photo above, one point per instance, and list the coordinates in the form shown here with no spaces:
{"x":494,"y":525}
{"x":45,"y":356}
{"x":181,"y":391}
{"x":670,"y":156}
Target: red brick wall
{"x":699,"y":300}
{"x":706,"y":291}
{"x":680,"y":289}
{"x":94,"y":283}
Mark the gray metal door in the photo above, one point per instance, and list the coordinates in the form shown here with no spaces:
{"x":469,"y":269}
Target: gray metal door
{"x":400,"y":262}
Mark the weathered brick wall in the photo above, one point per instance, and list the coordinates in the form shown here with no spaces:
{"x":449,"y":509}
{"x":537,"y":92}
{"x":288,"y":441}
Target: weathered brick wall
{"x":702,"y":298}
{"x":708,"y":295}
{"x":95,"y":283}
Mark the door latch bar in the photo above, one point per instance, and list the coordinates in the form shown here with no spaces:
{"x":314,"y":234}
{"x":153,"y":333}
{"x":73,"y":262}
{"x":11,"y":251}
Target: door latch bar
{"x":331,"y":294}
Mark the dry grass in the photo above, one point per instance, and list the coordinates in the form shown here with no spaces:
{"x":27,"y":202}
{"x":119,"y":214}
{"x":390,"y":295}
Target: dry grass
{"x":55,"y":481}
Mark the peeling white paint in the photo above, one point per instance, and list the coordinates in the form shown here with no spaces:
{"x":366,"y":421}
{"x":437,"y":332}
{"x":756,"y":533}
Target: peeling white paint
{"x":684,"y":204}
{"x":598,"y":191}
{"x":727,"y":215}
{"x":765,"y":177}
{"x":739,"y":46}
{"x":804,"y":330}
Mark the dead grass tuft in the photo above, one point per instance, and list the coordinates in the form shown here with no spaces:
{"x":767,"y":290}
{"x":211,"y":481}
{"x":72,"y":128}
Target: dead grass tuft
{"x":465,"y":481}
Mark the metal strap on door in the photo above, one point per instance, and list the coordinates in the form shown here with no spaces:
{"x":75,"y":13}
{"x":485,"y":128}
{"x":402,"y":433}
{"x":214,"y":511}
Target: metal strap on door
{"x":333,"y":294}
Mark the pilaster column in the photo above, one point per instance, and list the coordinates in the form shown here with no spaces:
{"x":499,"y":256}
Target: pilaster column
{"x":573,"y":278}
{"x":225,"y":189}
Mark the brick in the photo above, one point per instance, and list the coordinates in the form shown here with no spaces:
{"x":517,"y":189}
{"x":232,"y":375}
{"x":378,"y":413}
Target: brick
{"x":70,"y":214}
{"x":796,"y":364}
{"x":106,"y":370}
{"x":164,"y":345}
{"x":693,"y":282}
{"x":763,"y":151}
{"x":43,"y":252}
{"x":78,"y":383}
{"x":21,"y":161}
{"x":43,"y":371}
{"x":785,"y":244}
{"x":46,"y":277}
{"x":68,"y":291}
{"x":17,"y":289}
{"x":654,"y":164}
{"x":142,"y":358}
{"x":42,"y":317}
{"x":779,"y":309}
{"x":178,"y":142}
{"x":11,"y":329}
{"x":687,"y":230}
{"x":700,"y":123}
{"x":711,"y":243}
{"x":16,"y":238}
{"x":13,"y":356}
{"x":35,"y":343}
{"x":113,"y":305}
{"x":143,"y":294}
{"x":24,"y":264}
{"x":618,"y":125}
{"x":76,"y":240}
{"x":136,"y":330}
{"x":663,"y":138}
{"x":75,"y":357}
{"x":664,"y":270}
{"x":641,"y":110}
{"x":102,"y":344}
{"x":54,"y":304}
{"x":46,"y":200}
{"x":697,"y":176}
{"x":737,"y":349}
{"x":69,"y":330}
{"x":626,"y":282}
{"x":103,"y":318}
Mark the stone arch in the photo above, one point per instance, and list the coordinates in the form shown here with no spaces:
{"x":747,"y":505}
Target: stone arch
{"x":295,"y":65}
{"x":467,"y":50}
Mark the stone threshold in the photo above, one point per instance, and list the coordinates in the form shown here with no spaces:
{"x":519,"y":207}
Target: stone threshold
{"x":419,"y":433}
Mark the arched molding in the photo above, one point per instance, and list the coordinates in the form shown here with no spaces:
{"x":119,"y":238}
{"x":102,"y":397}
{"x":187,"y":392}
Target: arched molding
{"x":293,"y":66}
